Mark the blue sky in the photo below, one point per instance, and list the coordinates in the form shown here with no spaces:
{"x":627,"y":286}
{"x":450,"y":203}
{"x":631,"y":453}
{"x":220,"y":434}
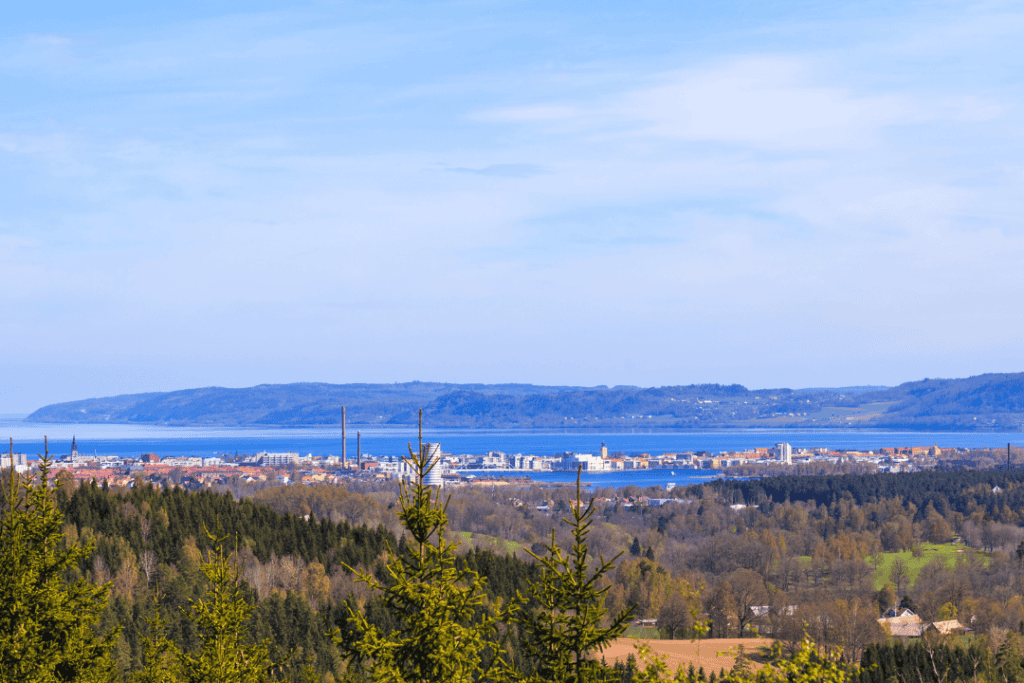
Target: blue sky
{"x":775,"y":194}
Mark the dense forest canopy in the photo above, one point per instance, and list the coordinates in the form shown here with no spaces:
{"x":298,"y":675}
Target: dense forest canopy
{"x":942,"y":488}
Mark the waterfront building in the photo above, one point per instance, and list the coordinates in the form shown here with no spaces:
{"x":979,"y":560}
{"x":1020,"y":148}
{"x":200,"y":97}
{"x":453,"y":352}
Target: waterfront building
{"x":570,"y":462}
{"x":277,"y":459}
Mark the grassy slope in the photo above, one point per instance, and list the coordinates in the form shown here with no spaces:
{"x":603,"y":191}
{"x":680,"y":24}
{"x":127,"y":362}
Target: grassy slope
{"x":499,"y":545}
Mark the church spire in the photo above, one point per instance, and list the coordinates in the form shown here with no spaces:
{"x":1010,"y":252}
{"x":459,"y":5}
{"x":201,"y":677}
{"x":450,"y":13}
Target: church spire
{"x":74,"y":447}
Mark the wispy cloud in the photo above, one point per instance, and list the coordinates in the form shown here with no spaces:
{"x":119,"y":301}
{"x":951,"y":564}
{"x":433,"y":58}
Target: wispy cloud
{"x":764,"y":102}
{"x":502,"y":170}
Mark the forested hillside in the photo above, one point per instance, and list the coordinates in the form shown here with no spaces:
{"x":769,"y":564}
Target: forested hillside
{"x":150,"y":544}
{"x":273,"y":404}
{"x":985,"y":402}
{"x":952,"y":489}
{"x":463,"y":405}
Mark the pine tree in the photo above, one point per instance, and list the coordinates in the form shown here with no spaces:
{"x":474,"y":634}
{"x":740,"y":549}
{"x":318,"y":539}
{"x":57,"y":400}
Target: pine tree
{"x":741,"y":668}
{"x":46,"y":621}
{"x":443,"y":633}
{"x":565,"y":628}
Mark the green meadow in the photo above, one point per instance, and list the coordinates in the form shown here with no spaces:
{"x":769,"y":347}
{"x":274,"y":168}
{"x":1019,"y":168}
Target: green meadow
{"x":930,"y":552}
{"x":494,"y":543}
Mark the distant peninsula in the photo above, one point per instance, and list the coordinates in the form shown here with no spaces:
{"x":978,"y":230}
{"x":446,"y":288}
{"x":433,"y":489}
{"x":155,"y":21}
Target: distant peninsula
{"x":991,"y":402}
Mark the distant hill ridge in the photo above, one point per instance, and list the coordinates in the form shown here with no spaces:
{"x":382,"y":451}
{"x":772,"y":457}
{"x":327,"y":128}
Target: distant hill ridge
{"x":985,"y":402}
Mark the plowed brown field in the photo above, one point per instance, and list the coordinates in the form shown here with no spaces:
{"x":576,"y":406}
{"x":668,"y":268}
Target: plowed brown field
{"x":715,"y":653}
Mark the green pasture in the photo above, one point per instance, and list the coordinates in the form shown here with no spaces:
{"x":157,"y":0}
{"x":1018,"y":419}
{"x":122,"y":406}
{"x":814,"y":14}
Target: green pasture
{"x":494,"y":543}
{"x":930,"y":552}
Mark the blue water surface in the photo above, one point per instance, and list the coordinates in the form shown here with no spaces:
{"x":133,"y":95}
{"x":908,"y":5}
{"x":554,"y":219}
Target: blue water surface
{"x":133,"y":440}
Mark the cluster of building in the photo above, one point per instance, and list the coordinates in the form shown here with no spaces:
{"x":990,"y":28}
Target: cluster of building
{"x":199,"y":472}
{"x":887,"y":459}
{"x":288,"y":467}
{"x":903,"y":623}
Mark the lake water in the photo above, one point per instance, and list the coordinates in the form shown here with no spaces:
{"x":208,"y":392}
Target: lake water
{"x":133,"y":440}
{"x":641,"y":478}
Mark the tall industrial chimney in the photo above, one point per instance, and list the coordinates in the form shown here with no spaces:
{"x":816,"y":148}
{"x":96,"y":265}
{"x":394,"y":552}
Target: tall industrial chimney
{"x":344,"y":455}
{"x":359,"y":449}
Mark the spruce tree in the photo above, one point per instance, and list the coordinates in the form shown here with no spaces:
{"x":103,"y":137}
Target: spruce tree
{"x":46,"y":621}
{"x":228,"y":652}
{"x":161,"y":656}
{"x":565,"y":630}
{"x":443,"y":633}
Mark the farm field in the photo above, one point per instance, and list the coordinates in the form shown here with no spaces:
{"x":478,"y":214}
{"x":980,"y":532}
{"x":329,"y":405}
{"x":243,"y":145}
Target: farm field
{"x":715,"y":653}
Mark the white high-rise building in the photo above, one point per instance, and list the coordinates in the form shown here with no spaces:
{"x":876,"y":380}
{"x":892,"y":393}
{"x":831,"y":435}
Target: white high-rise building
{"x":433,"y":477}
{"x":784,"y":452}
